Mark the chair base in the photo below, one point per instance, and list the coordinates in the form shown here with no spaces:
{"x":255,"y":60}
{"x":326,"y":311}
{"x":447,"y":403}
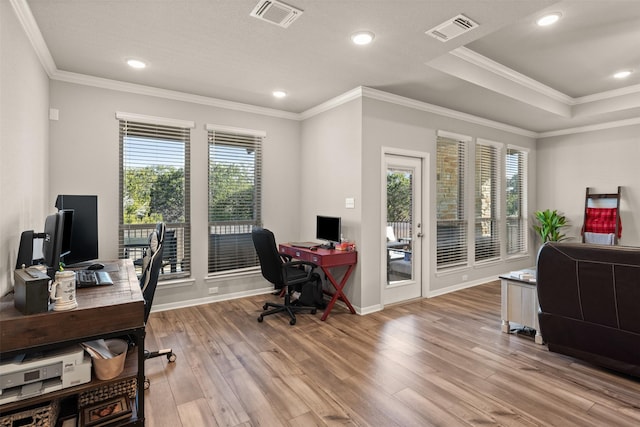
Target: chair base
{"x":287,"y":307}
{"x":171,"y":357}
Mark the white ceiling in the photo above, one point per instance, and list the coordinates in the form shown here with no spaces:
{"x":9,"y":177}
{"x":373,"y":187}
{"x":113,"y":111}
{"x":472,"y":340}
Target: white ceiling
{"x":507,"y":70}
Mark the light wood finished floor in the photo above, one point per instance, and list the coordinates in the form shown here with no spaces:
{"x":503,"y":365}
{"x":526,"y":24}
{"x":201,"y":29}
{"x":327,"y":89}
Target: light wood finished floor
{"x":440,"y":361}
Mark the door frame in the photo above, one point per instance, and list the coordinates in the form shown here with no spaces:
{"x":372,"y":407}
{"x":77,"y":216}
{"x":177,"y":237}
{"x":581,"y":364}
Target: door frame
{"x":424,"y":157}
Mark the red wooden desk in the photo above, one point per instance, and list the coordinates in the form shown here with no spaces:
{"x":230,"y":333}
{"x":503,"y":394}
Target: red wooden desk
{"x":327,"y":259}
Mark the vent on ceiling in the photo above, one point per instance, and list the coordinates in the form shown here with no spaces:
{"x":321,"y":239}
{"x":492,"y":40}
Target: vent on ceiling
{"x":452,"y":28}
{"x":276,"y":12}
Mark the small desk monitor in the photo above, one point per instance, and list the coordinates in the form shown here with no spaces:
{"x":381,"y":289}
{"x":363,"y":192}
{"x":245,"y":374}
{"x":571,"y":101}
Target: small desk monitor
{"x":328,"y":228}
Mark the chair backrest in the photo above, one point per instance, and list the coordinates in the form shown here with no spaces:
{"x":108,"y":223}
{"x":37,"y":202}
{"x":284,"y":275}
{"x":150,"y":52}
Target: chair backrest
{"x":270,"y":260}
{"x":151,"y":264}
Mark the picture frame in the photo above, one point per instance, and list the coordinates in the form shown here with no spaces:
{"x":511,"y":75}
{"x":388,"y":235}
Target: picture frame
{"x":106,"y":412}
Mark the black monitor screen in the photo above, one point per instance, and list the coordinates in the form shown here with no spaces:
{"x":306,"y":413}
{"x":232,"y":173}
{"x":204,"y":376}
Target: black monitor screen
{"x":84,"y":236}
{"x":328,"y":228}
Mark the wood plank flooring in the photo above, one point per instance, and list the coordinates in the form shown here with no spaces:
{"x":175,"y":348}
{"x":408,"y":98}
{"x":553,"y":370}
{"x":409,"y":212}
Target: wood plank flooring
{"x":433,"y":362}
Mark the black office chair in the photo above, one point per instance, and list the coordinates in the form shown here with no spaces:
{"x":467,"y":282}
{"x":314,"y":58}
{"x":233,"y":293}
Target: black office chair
{"x":285,"y":274}
{"x":151,"y":265}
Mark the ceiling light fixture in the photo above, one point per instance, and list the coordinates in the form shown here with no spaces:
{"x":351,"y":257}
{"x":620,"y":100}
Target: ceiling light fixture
{"x":622,"y":74}
{"x":279,"y":93}
{"x":136,"y":63}
{"x":362,"y":37}
{"x":549,"y":19}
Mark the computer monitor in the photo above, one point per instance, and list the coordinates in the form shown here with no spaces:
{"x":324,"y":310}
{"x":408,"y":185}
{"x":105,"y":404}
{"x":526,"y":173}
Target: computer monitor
{"x":84,"y":236}
{"x":328,"y":228}
{"x":57,"y":240}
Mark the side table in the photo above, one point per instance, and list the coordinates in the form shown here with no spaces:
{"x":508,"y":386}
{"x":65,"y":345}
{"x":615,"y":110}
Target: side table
{"x":520,"y":303}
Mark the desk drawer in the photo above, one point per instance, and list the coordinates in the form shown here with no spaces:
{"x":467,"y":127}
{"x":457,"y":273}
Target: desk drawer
{"x":300,"y":254}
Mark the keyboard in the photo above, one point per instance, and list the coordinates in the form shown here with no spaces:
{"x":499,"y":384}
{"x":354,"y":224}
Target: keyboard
{"x":89,"y":278}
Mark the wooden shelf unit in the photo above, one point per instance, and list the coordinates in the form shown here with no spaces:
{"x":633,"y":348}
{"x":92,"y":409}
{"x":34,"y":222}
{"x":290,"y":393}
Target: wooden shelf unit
{"x":102,"y":312}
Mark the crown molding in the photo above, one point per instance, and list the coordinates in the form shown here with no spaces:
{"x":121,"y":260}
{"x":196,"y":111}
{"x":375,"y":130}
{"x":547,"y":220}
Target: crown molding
{"x":505,"y":72}
{"x":332,"y":103}
{"x":607,"y":94}
{"x":591,"y":128}
{"x":66,"y":76}
{"x":28,"y":22}
{"x":442,"y":111}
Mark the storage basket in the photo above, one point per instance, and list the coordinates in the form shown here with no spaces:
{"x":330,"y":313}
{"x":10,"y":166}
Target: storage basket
{"x":39,"y":416}
{"x":127,"y":387}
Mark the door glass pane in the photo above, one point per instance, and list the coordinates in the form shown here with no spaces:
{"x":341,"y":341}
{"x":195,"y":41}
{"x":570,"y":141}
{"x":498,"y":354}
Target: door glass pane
{"x":399,"y":224}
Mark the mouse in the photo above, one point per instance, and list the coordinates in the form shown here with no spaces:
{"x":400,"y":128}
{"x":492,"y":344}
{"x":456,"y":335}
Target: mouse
{"x":95,"y":266}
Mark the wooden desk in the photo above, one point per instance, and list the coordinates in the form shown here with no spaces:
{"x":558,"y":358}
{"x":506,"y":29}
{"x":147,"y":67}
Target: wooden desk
{"x":102,"y":312}
{"x":328,"y":259}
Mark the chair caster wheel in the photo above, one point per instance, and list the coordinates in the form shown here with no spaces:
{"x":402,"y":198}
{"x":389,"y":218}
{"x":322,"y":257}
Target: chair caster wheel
{"x":146,"y":384}
{"x":292,"y":322}
{"x":314,"y":311}
{"x":264,"y":307}
{"x":260,"y":319}
{"x":171,"y":357}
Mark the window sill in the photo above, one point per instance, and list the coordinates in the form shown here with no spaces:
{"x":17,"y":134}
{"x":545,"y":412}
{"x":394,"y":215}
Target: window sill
{"x":226,"y":275}
{"x":176,"y":283}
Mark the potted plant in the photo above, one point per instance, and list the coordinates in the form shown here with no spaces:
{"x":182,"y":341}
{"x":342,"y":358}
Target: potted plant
{"x":549,"y":225}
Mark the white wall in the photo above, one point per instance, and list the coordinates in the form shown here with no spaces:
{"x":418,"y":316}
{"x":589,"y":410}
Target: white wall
{"x":386,"y":124}
{"x":331,"y":172}
{"x":602,"y":160}
{"x":85,"y":160}
{"x":24,"y":145}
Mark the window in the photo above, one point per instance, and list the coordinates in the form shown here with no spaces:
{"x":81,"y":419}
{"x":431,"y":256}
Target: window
{"x":487,"y":180}
{"x":516,"y":194}
{"x":451,"y":217}
{"x":154,"y":187}
{"x":235,"y":194}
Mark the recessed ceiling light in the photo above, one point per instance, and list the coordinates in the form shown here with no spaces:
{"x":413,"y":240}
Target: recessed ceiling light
{"x":549,"y":19}
{"x":279,"y":93}
{"x":136,"y":63}
{"x":622,"y":74}
{"x":362,"y":37}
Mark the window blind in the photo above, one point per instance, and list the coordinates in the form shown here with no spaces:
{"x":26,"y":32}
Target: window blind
{"x":235,"y":196}
{"x":516,"y":176}
{"x":452,"y":224}
{"x":487,"y":176}
{"x":155,"y":187}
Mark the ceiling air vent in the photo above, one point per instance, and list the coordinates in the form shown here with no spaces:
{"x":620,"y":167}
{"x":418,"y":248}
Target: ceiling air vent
{"x":452,"y":28}
{"x":276,"y":12}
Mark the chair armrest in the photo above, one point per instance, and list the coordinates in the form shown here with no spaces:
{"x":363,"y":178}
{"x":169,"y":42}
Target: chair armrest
{"x":294,"y":264}
{"x":285,"y":257}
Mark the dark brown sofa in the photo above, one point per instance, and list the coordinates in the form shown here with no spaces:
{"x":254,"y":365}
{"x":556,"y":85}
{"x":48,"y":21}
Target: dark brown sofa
{"x":590,"y":303}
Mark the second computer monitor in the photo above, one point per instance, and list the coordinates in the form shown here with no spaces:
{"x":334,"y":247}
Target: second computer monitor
{"x":328,"y":228}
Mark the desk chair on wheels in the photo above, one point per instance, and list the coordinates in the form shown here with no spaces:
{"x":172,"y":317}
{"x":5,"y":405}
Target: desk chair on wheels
{"x":284,"y":273}
{"x":151,"y":265}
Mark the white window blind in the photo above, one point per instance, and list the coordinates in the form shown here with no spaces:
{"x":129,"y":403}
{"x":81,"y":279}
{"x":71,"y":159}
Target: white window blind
{"x":516,"y":179}
{"x":487,"y":178}
{"x":452,"y":245}
{"x":235,"y":196}
{"x":154,"y":187}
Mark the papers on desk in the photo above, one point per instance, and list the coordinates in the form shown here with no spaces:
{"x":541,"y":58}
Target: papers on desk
{"x":527,"y":275}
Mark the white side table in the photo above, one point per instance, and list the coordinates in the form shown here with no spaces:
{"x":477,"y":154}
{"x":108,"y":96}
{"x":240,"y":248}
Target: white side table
{"x":520,"y":304}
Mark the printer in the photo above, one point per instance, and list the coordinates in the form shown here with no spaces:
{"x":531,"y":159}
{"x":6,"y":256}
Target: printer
{"x":29,"y":375}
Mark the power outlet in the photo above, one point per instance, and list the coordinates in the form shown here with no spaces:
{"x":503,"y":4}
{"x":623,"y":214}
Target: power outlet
{"x":465,"y":277}
{"x":213,"y":290}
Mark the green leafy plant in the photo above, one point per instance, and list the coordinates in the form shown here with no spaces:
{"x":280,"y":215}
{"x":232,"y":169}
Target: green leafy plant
{"x":549,"y":225}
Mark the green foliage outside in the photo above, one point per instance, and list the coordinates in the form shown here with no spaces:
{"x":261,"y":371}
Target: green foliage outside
{"x":231,"y":193}
{"x":153,"y":194}
{"x":398,"y":197}
{"x":513,"y":197}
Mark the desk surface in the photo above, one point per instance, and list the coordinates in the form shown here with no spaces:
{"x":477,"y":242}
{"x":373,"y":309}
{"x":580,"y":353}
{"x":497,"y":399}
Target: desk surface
{"x":100,"y":311}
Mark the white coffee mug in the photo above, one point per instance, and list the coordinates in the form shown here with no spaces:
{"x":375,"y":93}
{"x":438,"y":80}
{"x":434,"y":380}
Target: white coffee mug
{"x":63,"y":291}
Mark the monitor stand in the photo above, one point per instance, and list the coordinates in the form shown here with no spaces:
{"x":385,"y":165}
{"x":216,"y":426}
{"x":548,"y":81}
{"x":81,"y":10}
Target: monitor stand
{"x":329,"y":245}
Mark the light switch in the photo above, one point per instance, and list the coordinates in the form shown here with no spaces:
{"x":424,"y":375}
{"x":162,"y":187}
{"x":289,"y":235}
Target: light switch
{"x":349,"y":203}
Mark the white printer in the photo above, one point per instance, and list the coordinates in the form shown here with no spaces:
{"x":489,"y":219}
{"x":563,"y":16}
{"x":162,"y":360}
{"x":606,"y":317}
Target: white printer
{"x":28,"y":375}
